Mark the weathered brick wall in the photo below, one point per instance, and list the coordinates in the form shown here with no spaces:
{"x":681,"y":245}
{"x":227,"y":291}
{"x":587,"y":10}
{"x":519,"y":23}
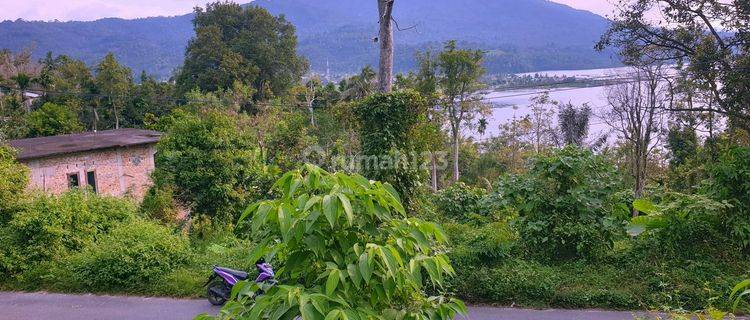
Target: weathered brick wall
{"x":119,"y":172}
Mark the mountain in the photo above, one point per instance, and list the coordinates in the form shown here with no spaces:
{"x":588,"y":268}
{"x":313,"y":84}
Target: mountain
{"x":518,"y":35}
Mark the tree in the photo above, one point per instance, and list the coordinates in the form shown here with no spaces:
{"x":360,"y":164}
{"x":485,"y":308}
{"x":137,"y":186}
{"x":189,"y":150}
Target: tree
{"x":114,"y":81}
{"x":636,"y":113}
{"x":212,"y":166}
{"x":359,"y":86}
{"x":52,"y":119}
{"x":307,"y":95}
{"x":388,"y":124}
{"x":541,"y":121}
{"x":385,"y":19}
{"x":245,"y":44}
{"x":345,"y":249}
{"x":574,"y":124}
{"x":458,"y":74}
{"x":708,"y":38}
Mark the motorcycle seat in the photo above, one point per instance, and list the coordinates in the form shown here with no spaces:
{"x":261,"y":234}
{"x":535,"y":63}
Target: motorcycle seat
{"x":241,"y":275}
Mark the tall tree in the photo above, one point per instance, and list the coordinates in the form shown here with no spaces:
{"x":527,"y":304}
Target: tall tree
{"x":114,"y":81}
{"x":385,"y":72}
{"x":457,"y":73}
{"x":710,"y":40}
{"x":636,"y":113}
{"x":245,"y":44}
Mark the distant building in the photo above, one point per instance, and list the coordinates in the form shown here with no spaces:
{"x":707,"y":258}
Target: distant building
{"x":114,"y":162}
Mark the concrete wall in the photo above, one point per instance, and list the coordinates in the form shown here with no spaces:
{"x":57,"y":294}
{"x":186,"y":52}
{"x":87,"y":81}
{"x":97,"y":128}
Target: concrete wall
{"x":121,"y":172}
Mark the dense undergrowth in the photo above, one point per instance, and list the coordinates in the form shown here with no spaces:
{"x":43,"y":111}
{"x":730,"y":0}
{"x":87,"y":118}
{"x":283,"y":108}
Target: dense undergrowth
{"x":682,"y":257}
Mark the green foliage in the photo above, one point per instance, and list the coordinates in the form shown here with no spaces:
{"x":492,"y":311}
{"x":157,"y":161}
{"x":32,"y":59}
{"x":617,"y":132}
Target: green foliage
{"x":114,"y":81}
{"x":731,"y":183}
{"x":49,"y":228}
{"x":681,"y":224}
{"x":346,"y":251}
{"x":287,"y":141}
{"x":130,"y":256}
{"x":212,"y":166}
{"x":565,"y":203}
{"x":387,"y":123}
{"x":52,"y":119}
{"x":460,"y":202}
{"x":14,"y":180}
{"x":483,"y":244}
{"x":246,"y":44}
{"x":159,"y":204}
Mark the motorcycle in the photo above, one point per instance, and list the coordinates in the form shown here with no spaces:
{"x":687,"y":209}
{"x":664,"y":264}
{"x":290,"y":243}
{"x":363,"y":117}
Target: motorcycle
{"x":220,"y":283}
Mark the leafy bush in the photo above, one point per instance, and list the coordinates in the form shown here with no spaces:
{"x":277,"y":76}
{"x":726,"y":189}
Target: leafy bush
{"x":49,"y":228}
{"x":159,"y":204}
{"x":346,"y":251}
{"x":213,"y":166}
{"x":130,"y":256}
{"x":460,"y":202}
{"x":480,"y":245}
{"x":731,"y":183}
{"x":565,"y":204}
{"x":14,"y":180}
{"x":53,"y":119}
{"x":681,"y":224}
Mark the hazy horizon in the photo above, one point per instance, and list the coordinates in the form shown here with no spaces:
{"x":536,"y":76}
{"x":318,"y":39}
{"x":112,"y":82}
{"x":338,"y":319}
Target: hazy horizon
{"x":88,"y":10}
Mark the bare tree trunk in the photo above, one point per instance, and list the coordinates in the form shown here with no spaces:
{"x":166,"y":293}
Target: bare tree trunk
{"x":312,"y":115}
{"x":433,"y":172}
{"x":385,"y":72}
{"x":454,"y":138}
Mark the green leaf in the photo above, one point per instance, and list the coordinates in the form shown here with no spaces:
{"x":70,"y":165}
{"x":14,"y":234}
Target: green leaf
{"x":347,"y":208}
{"x":330,"y":210}
{"x":332,"y":282}
{"x":364,"y":267}
{"x":645,"y":206}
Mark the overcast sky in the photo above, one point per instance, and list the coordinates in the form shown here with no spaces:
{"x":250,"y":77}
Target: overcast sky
{"x":66,"y":10}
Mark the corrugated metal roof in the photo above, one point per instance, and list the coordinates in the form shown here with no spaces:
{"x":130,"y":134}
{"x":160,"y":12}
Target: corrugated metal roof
{"x":56,"y":145}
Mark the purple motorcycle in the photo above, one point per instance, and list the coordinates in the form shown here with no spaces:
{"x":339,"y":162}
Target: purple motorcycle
{"x":219,"y":285}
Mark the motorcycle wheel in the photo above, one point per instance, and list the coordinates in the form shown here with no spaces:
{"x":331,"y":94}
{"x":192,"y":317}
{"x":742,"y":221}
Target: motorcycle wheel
{"x":213,"y":292}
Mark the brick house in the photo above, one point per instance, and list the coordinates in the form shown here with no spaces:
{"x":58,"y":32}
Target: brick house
{"x":114,"y":162}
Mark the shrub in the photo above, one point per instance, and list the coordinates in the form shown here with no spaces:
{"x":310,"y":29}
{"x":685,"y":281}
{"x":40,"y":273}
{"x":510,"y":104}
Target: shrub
{"x":159,"y":204}
{"x":681,"y":225}
{"x":130,"y":256}
{"x":565,"y":204}
{"x":212,"y":166}
{"x":14,"y":180}
{"x":480,"y":245}
{"x":460,"y":202}
{"x":48,"y":228}
{"x":346,"y":251}
{"x":731,"y":183}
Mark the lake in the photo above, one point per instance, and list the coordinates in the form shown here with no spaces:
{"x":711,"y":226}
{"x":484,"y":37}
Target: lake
{"x":515,"y":103}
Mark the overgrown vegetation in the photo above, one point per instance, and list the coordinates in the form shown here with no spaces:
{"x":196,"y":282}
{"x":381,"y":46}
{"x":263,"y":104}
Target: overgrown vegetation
{"x":540,"y":215}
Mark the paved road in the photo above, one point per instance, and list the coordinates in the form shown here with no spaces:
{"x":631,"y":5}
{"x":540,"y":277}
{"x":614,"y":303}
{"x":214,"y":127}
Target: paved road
{"x":42,"y":306}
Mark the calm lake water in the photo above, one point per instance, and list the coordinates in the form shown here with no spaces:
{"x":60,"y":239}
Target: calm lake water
{"x":515,"y":103}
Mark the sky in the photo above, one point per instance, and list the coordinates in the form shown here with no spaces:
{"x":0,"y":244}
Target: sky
{"x":85,"y":10}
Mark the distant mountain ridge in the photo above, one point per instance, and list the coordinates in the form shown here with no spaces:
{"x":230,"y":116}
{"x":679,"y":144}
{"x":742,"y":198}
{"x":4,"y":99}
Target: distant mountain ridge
{"x":518,"y":35}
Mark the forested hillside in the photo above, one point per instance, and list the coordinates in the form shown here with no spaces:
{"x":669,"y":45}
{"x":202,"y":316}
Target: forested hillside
{"x":517,"y":35}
